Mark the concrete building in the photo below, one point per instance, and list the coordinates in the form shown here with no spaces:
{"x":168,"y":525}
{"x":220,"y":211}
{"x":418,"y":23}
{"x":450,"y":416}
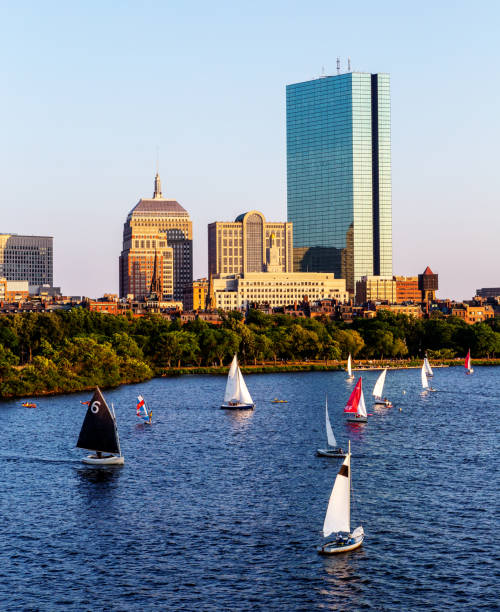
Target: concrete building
{"x":157,"y":230}
{"x":488,"y":292}
{"x":242,"y":246}
{"x":27,"y":258}
{"x":339,"y":175}
{"x":13,"y":291}
{"x":376,"y":289}
{"x":233,"y":292}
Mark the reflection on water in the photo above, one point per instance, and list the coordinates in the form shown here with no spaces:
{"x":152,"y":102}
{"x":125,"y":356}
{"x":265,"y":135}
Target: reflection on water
{"x":99,"y":475}
{"x":239,"y":418}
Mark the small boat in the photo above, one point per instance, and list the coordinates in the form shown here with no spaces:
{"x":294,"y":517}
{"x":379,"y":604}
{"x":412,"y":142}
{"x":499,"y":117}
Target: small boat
{"x":425,"y":382}
{"x":338,"y":515}
{"x":99,"y":433}
{"x":428,"y":369}
{"x":355,"y":407}
{"x":143,"y":412}
{"x":278,"y":401}
{"x":468,"y":364}
{"x":29,"y":404}
{"x":378,"y":388}
{"x":333,"y":450}
{"x":350,"y":375}
{"x":237,"y":396}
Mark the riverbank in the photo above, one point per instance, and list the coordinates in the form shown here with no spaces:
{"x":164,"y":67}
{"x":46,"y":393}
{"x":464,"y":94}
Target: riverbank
{"x":260,"y":368}
{"x":321,"y":366}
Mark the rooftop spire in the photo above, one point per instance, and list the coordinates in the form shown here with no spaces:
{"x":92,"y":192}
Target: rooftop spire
{"x":157,"y":194}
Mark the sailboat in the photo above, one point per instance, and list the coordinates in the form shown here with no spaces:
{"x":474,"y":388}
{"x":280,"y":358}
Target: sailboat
{"x":428,"y":369}
{"x":143,"y":412}
{"x":355,"y":407}
{"x":378,"y":388}
{"x":350,"y":375}
{"x":237,"y":395}
{"x":99,"y":433}
{"x":425,"y":382}
{"x":338,"y":515}
{"x":333,"y":450}
{"x":468,"y":364}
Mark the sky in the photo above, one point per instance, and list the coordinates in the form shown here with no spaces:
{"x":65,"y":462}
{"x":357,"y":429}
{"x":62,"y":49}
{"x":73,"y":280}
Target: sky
{"x":91,"y":89}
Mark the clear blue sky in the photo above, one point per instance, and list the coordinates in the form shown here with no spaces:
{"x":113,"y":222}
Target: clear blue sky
{"x":90,"y":89}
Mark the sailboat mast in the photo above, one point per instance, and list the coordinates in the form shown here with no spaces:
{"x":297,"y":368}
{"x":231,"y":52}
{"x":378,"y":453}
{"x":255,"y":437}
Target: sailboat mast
{"x":349,"y":489}
{"x":116,"y":430}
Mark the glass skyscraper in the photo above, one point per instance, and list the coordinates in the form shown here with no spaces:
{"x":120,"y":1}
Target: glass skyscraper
{"x":339,"y":175}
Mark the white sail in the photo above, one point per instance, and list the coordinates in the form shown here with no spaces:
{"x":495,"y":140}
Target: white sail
{"x":232,"y":381}
{"x":329,"y":430}
{"x":428,"y":369}
{"x":349,"y":370}
{"x":338,"y":513}
{"x":425,"y":384}
{"x":379,"y":385}
{"x":243,"y":396}
{"x":361,"y":405}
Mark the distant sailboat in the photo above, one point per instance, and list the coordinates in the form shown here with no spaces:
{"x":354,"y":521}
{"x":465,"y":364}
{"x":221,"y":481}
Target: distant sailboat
{"x":378,"y":388}
{"x":338,"y":514}
{"x":350,"y":375}
{"x":333,"y":450}
{"x":99,"y":433}
{"x":143,"y":412}
{"x":468,"y":364}
{"x":428,"y":369}
{"x":355,"y":407}
{"x":237,"y":395}
{"x":425,"y":382}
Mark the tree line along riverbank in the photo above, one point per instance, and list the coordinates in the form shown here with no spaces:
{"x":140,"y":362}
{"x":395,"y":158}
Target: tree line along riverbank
{"x":62,"y":352}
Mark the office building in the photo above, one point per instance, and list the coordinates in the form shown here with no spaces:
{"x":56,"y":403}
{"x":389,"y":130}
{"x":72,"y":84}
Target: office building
{"x":488,"y":292}
{"x":27,"y":258}
{"x":195,"y":296}
{"x":407,"y":289}
{"x":275,"y":289}
{"x":158,"y":234}
{"x":241,"y":246}
{"x":13,"y":291}
{"x":376,"y":289}
{"x":339,"y":175}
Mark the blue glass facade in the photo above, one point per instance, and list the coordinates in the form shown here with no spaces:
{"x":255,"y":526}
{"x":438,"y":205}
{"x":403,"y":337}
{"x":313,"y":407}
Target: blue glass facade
{"x":339,"y":175}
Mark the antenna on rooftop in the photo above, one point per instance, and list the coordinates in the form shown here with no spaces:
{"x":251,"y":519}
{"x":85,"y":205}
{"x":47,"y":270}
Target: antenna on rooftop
{"x":338,"y":65}
{"x":348,"y":64}
{"x":157,"y":159}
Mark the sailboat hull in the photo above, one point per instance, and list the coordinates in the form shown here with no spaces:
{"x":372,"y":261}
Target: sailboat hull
{"x":105,"y":460}
{"x":381,"y":402}
{"x":350,"y":378}
{"x":332,"y":548}
{"x":356,"y":418}
{"x":238,"y":406}
{"x":330,"y":452}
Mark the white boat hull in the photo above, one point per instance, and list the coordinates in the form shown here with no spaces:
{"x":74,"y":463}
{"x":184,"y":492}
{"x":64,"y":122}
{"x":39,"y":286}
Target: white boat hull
{"x":333,"y":548}
{"x":379,"y":402}
{"x":238,"y":406}
{"x":104,"y":460}
{"x":330,"y":452}
{"x":350,"y":377}
{"x":356,"y":418}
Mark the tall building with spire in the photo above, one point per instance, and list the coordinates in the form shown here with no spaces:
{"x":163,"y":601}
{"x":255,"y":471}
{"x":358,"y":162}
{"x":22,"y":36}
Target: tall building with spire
{"x":157,"y":253}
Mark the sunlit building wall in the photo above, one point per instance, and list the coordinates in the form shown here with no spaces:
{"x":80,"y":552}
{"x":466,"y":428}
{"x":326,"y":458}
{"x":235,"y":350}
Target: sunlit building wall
{"x":339,"y":175}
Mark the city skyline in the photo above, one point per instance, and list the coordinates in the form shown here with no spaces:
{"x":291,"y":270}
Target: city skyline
{"x":85,"y":118}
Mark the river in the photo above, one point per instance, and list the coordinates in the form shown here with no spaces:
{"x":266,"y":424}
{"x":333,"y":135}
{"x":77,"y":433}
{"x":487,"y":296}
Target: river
{"x":217,"y":510}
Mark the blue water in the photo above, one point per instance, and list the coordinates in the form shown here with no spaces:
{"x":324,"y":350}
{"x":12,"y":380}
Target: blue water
{"x":216,"y":510}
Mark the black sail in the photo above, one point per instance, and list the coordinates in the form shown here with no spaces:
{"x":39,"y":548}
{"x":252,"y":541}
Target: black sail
{"x":98,"y":431}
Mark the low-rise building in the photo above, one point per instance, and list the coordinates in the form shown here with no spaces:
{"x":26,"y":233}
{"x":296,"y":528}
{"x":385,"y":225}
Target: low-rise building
{"x":276,"y":289}
{"x":376,"y":289}
{"x":13,"y":291}
{"x":411,"y":310}
{"x":407,"y":289}
{"x":473,"y":314}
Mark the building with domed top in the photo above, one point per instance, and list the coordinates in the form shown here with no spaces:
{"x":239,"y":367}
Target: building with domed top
{"x":157,"y":235}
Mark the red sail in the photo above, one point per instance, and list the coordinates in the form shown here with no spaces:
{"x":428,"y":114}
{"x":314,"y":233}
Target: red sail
{"x":353,"y":401}
{"x":467,"y":361}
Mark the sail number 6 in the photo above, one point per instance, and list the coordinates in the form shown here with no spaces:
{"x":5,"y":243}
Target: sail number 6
{"x":95,"y":407}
